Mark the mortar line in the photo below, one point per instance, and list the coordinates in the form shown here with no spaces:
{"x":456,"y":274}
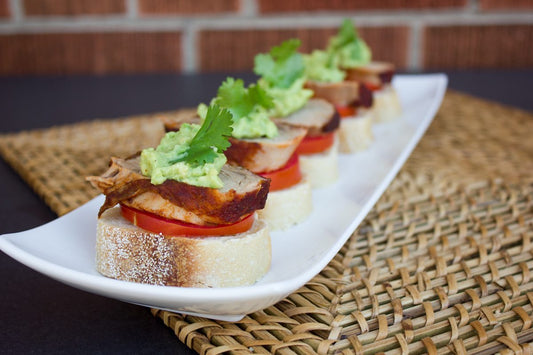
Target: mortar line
{"x":132,"y":9}
{"x":17,"y":10}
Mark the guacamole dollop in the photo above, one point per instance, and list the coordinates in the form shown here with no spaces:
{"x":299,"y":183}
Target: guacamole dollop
{"x":248,"y":107}
{"x":287,"y":100}
{"x":349,"y":49}
{"x":321,"y":66}
{"x":254,"y":125}
{"x":161,"y":164}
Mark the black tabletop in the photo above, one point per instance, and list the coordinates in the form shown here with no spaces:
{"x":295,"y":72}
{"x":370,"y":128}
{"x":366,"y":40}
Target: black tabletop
{"x":40,"y":315}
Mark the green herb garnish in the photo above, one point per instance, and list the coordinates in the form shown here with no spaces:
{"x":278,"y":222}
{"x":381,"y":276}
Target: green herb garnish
{"x":241,"y":101}
{"x":282,"y":66}
{"x":211,"y":139}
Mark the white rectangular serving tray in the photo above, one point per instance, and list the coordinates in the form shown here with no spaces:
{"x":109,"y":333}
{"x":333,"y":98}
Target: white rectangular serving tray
{"x":64,"y":249}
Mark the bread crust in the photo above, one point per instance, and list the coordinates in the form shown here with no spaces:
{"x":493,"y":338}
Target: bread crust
{"x":386,"y":105}
{"x":129,"y":253}
{"x":287,"y":207}
{"x":321,"y":169}
{"x":355,"y":133}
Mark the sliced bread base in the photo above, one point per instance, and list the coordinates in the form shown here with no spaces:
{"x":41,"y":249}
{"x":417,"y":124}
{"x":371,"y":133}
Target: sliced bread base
{"x":321,"y":169}
{"x":127,"y":252}
{"x":287,"y":207}
{"x":355,"y":132}
{"x":386,"y":104}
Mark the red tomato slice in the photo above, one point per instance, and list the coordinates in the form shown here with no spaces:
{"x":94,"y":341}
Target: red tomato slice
{"x":286,"y":176}
{"x":316,"y":144}
{"x":157,"y":224}
{"x":346,"y":111}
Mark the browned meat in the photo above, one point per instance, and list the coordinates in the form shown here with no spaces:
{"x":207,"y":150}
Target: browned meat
{"x":255,"y":154}
{"x":344,"y":93}
{"x":376,"y":74}
{"x":317,"y":115}
{"x":242,"y":194}
{"x":266,"y":154}
{"x":173,"y":122}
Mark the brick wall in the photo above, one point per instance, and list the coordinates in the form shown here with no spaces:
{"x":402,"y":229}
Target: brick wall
{"x":41,"y":37}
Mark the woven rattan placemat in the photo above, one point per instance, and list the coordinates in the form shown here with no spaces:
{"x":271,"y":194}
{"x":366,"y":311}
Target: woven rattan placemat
{"x":440,"y":265}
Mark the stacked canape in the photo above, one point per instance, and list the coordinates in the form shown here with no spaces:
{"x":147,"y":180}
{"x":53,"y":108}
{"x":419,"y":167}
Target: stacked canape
{"x":264,"y":147}
{"x":351,"y":99}
{"x":186,"y":218}
{"x":353,"y":55}
{"x":282,"y":72}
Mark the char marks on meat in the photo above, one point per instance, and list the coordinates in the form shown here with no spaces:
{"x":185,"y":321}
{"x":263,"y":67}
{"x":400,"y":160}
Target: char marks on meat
{"x":242,"y":194}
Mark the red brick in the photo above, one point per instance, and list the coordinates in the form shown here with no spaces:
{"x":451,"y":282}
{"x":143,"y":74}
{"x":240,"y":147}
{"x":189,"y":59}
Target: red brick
{"x":4,"y":8}
{"x":186,"y":7}
{"x":272,"y":6}
{"x":90,"y":53}
{"x":235,"y":49}
{"x":503,"y":46}
{"x":73,"y":7}
{"x":505,"y":4}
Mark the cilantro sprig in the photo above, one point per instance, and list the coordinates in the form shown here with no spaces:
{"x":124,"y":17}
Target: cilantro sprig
{"x":347,"y":48}
{"x":241,"y":101}
{"x":211,"y":139}
{"x":282,"y":65}
{"x":347,"y":34}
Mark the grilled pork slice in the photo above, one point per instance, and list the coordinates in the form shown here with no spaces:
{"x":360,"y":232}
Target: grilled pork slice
{"x":344,"y":93}
{"x":317,"y":115}
{"x":374,"y":73}
{"x":242,"y":194}
{"x":255,"y":154}
{"x":266,"y":154}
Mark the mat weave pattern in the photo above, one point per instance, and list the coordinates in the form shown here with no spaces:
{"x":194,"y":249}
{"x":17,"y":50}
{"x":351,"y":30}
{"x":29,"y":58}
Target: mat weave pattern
{"x":442,"y":264}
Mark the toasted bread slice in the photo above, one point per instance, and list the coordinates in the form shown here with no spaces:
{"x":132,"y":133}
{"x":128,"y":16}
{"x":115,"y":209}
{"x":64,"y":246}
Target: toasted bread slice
{"x":355,"y":133}
{"x":129,"y":253}
{"x":287,"y":207}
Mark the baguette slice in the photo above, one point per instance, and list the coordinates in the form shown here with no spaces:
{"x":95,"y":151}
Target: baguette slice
{"x":386,"y":104}
{"x":355,"y":133}
{"x":129,"y":253}
{"x":287,"y":207}
{"x":321,"y":169}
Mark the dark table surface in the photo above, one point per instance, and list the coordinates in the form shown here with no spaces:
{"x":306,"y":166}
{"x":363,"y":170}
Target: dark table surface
{"x":41,"y":315}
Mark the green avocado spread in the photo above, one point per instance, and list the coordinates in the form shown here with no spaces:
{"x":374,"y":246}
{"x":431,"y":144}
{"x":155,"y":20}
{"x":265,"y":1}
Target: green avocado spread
{"x":287,"y":100}
{"x":282,"y":72}
{"x":248,"y":106}
{"x":349,"y":49}
{"x":321,"y":66}
{"x":159,"y":163}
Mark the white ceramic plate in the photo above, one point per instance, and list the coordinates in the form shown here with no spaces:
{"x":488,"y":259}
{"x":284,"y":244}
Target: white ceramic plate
{"x":64,"y":248}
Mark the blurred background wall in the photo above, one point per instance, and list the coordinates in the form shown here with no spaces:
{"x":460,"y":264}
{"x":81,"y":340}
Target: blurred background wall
{"x":51,"y":37}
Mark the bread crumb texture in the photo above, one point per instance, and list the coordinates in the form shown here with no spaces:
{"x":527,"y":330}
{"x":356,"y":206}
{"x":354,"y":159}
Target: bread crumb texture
{"x":129,"y":253}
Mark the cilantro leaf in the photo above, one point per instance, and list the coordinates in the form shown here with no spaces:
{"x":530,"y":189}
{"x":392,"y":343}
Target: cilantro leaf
{"x":282,"y":66}
{"x":211,"y":139}
{"x":241,"y":101}
{"x":347,"y":34}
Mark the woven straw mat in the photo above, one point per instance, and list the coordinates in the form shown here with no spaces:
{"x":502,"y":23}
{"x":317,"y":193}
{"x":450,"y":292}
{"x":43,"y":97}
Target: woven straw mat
{"x":440,"y":265}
